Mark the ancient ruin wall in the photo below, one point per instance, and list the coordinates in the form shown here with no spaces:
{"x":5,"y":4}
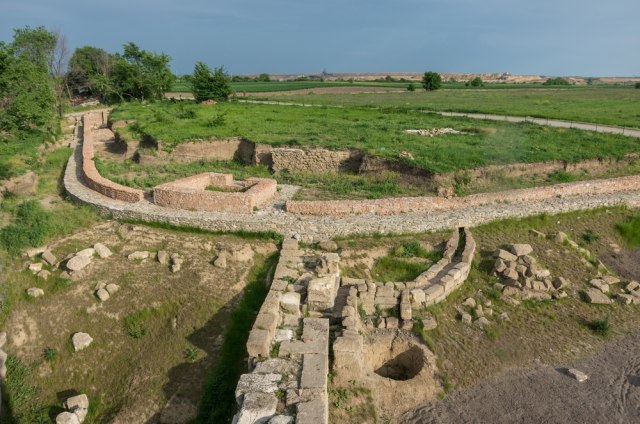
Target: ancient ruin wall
{"x":314,"y":160}
{"x":92,"y":177}
{"x":190,"y":193}
{"x":392,"y":206}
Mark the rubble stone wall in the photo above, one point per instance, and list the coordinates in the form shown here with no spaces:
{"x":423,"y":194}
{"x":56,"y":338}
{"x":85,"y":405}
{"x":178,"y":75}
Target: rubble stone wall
{"x":315,"y":160}
{"x":391,"y":206}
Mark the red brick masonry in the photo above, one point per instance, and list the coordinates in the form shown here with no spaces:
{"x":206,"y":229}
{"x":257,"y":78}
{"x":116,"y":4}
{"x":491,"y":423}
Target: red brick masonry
{"x":91,"y":176}
{"x":190,"y":193}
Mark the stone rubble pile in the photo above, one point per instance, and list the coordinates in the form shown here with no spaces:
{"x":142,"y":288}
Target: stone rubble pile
{"x":523,"y":277}
{"x":433,"y":132}
{"x":77,"y":408}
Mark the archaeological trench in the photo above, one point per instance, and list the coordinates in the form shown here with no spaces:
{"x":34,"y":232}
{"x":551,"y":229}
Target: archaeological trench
{"x":315,"y":321}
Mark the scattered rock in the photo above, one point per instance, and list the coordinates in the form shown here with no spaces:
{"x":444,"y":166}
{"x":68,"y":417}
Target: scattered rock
{"x":221,"y":261}
{"x":67,"y":418}
{"x":81,"y":341}
{"x":3,"y":339}
{"x":600,"y":285}
{"x":561,"y":237}
{"x":176,"y":262}
{"x":163,"y":257}
{"x":631,"y":286}
{"x":328,"y":246}
{"x":466,"y":318}
{"x":78,"y":262}
{"x":44,"y":274}
{"x":103,"y":295}
{"x":89,"y":252}
{"x":139,"y":255}
{"x":596,"y":296}
{"x":102,"y":250}
{"x":36,"y":267}
{"x":504,"y":255}
{"x":78,"y":405}
{"x":537,"y":233}
{"x":521,"y":249}
{"x":560,"y":283}
{"x":35,"y":292}
{"x":610,"y":279}
{"x":49,"y":257}
{"x":470,"y":302}
{"x":504,"y":316}
{"x":481,"y":322}
{"x":112,"y":288}
{"x":429,"y":323}
{"x":578,"y":375}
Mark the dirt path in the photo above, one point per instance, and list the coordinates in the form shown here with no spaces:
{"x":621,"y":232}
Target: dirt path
{"x":544,"y":394}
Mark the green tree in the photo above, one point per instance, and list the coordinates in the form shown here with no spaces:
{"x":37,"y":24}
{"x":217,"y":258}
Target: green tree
{"x":209,"y":85}
{"x":411,"y":87}
{"x":27,"y":100}
{"x":263,"y":78}
{"x":476,"y":82}
{"x":138,"y":74}
{"x":638,"y":85}
{"x":431,"y":81}
{"x":87,"y":65}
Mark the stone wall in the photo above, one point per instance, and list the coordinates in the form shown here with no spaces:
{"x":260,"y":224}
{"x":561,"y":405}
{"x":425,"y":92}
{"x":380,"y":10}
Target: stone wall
{"x":315,"y":160}
{"x":283,"y":361}
{"x":92,"y":177}
{"x":391,"y":206}
{"x":191,"y":193}
{"x":214,"y":150}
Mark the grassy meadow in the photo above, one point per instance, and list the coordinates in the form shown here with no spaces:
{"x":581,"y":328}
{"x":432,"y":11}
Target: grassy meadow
{"x":613,"y":105}
{"x":375,"y":131}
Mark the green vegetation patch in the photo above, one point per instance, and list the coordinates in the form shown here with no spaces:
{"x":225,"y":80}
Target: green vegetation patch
{"x":218,"y":402}
{"x":377,"y":132}
{"x":630,"y":231}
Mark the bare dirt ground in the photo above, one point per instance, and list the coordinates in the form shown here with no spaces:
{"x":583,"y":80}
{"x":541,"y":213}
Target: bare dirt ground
{"x":157,"y":375}
{"x":545,"y":394}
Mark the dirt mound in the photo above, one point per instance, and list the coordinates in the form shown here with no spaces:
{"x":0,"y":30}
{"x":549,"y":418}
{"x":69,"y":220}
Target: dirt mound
{"x":546,"y":394}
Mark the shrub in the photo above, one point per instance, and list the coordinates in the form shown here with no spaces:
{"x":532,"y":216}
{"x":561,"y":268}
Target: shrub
{"x":589,"y":237}
{"x":136,"y":323}
{"x":50,"y":354}
{"x":638,"y":85}
{"x":431,"y":81}
{"x":411,"y":87}
{"x":600,"y":326}
{"x":556,"y":81}
{"x":476,"y":82}
{"x":30,"y":228}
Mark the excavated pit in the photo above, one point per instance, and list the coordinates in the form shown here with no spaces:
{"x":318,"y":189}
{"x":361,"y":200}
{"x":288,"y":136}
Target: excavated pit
{"x":399,"y":359}
{"x":403,"y":366}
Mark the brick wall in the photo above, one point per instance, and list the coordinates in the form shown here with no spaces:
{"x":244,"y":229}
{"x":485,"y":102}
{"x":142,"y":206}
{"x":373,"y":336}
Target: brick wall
{"x":92,"y":177}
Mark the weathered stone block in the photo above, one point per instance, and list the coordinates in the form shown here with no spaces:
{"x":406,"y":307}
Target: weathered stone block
{"x":259,"y":343}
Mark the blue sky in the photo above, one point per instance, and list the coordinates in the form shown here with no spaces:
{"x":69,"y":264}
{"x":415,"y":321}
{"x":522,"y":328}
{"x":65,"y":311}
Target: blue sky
{"x":560,"y":37}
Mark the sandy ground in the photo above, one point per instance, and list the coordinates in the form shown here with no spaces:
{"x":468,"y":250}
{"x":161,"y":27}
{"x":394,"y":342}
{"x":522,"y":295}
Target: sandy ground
{"x":545,"y":394}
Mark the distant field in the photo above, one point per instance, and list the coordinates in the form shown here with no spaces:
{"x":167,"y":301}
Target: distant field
{"x":374,"y":131}
{"x":603,"y":104}
{"x":263,"y":87}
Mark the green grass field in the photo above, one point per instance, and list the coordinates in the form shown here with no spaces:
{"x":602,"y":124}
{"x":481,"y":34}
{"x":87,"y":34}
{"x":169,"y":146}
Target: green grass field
{"x":182,"y":86}
{"x":374,"y":131}
{"x":604,"y":104}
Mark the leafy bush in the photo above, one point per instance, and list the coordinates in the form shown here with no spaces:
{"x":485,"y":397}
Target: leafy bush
{"x":431,"y":81}
{"x":589,"y":237}
{"x":411,"y":87}
{"x":600,"y":326}
{"x":637,"y":85}
{"x":556,"y":81}
{"x":30,"y":228}
{"x":50,"y":354}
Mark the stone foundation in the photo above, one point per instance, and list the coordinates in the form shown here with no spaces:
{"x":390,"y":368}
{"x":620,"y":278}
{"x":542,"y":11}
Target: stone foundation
{"x":191,"y":193}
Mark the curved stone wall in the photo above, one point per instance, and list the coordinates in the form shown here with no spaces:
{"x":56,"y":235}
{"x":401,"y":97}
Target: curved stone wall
{"x":91,"y":176}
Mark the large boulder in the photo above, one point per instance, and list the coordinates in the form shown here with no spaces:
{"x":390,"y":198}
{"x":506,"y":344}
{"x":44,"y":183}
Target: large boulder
{"x":67,"y":418}
{"x":138,"y":255}
{"x":78,"y":405}
{"x":520,"y":249}
{"x":78,"y":262}
{"x":81,"y":341}
{"x":594,"y":295}
{"x":49,"y":257}
{"x":102,"y":250}
{"x":504,"y":255}
{"x":35,"y":292}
